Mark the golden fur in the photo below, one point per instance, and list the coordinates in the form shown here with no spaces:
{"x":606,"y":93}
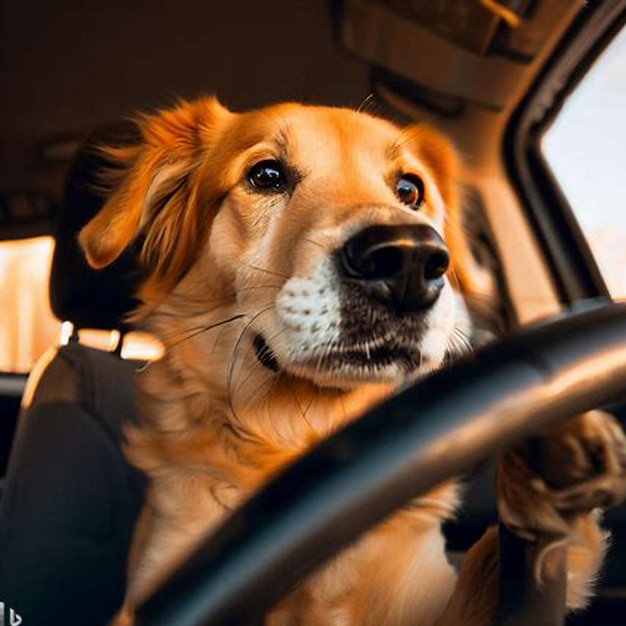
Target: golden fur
{"x":225,"y":263}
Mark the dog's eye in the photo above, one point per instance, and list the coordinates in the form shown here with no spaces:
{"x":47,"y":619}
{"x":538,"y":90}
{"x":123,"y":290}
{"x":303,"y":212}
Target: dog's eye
{"x":410,"y":190}
{"x":267,"y":176}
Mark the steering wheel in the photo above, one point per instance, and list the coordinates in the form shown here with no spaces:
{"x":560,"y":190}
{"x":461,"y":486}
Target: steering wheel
{"x":438,"y":428}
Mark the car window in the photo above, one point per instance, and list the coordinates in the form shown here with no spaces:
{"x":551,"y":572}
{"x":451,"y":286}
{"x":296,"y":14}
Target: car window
{"x":28,"y":326}
{"x":586,"y":150}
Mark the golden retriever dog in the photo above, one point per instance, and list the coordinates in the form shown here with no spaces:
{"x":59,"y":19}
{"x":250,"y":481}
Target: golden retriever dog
{"x":301,"y":263}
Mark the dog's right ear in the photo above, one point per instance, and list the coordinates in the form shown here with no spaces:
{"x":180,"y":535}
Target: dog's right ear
{"x":153,"y":185}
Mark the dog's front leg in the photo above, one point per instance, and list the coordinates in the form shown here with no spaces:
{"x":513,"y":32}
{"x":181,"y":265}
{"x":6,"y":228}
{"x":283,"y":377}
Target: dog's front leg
{"x":475,"y":598}
{"x":549,"y":490}
{"x":552,"y":488}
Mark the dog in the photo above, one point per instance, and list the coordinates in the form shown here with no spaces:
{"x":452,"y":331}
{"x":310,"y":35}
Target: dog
{"x":300,"y":264}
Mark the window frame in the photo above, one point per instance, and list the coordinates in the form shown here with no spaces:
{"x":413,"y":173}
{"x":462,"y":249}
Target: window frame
{"x":571,"y":263}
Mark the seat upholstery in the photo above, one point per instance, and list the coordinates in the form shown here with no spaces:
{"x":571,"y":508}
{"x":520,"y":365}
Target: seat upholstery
{"x":71,"y":500}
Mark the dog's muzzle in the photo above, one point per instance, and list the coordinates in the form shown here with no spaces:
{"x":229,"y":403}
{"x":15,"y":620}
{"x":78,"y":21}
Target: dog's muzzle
{"x":400,"y":266}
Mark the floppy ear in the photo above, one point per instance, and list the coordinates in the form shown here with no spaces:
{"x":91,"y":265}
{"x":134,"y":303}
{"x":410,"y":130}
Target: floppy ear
{"x":153,"y":194}
{"x":444,"y":162}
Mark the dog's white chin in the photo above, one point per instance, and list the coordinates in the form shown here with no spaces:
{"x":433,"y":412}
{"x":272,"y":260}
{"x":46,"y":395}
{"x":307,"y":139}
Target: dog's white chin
{"x":347,"y":376}
{"x":308,"y":336}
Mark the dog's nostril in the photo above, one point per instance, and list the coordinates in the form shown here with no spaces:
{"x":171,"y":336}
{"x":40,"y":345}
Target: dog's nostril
{"x":386,"y":262}
{"x":436,"y":264}
{"x":367,"y":260}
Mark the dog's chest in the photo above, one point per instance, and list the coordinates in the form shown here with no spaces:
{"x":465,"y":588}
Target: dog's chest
{"x":395,"y":574}
{"x":198,"y":479}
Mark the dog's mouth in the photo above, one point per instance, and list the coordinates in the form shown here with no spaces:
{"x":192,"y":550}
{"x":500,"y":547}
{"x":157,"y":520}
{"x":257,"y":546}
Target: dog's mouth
{"x":365,"y":360}
{"x":344,"y":338}
{"x":369,"y":358}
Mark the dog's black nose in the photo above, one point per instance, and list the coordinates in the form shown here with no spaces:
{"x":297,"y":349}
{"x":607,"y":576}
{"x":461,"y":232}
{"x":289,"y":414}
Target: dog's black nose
{"x":401,"y":266}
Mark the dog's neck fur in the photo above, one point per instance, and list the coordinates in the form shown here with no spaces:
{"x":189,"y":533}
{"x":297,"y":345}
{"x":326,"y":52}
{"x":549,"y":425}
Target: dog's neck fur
{"x":262,"y":419}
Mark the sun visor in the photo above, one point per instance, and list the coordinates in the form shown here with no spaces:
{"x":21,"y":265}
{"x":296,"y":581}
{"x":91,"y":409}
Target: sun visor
{"x":475,"y":51}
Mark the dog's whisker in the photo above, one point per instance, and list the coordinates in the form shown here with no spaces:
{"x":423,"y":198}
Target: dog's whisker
{"x":173,"y":314}
{"x":266,"y":271}
{"x":363,"y":106}
{"x":204,"y":303}
{"x":454,"y":279}
{"x":188,"y":333}
{"x":218,"y":336}
{"x":243,"y":290}
{"x":268,"y":407}
{"x":252,"y":394}
{"x":405,"y":136}
{"x":481,"y":299}
{"x":204,"y":329}
{"x":464,"y":338}
{"x":314,"y":396}
{"x":458,"y":344}
{"x":257,"y":365}
{"x":253,"y":287}
{"x":235,"y":355}
{"x":185,"y":331}
{"x":273,"y":382}
{"x":192,"y":308}
{"x":315,"y":243}
{"x":302,"y":410}
{"x":451,"y":351}
{"x":454,"y":349}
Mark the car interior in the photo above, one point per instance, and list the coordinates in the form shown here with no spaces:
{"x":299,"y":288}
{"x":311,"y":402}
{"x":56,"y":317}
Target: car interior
{"x":494,"y":75}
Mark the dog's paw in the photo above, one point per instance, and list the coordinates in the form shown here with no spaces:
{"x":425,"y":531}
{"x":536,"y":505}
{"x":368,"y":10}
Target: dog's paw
{"x":582,"y":465}
{"x":546,"y":482}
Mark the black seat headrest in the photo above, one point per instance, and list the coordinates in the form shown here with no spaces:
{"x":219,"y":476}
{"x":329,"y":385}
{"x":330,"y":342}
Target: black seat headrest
{"x":86,"y":297}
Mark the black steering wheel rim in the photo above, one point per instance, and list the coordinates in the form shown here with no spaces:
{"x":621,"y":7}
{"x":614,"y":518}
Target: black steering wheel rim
{"x":432,"y":431}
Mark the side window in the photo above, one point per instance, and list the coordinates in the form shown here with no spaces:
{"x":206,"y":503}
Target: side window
{"x":27,"y":326}
{"x":586,"y":150}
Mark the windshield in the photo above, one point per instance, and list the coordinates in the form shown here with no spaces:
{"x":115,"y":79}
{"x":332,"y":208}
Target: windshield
{"x":586,"y":149}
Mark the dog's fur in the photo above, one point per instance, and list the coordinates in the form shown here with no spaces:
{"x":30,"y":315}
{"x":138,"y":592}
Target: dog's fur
{"x":225,"y":265}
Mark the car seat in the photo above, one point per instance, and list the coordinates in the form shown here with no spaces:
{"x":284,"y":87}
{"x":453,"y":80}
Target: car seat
{"x":71,"y":500}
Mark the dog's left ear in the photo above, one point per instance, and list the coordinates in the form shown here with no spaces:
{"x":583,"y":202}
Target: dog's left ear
{"x":444,"y":163}
{"x":153,"y":197}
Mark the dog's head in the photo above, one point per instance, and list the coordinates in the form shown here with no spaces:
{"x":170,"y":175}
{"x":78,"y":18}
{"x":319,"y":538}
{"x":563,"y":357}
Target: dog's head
{"x":333,"y":235}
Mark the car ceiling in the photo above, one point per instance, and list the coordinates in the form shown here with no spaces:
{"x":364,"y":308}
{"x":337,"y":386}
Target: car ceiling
{"x":69,"y":66}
